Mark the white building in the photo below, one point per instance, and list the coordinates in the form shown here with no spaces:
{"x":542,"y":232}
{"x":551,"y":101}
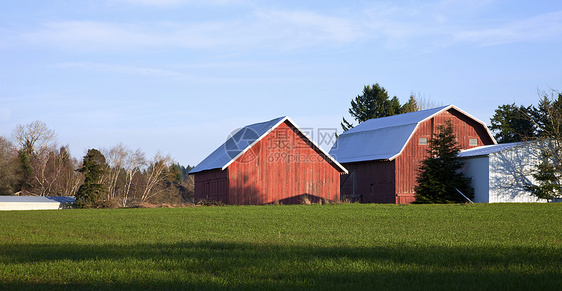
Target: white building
{"x":500,"y":172}
{"x":35,"y":202}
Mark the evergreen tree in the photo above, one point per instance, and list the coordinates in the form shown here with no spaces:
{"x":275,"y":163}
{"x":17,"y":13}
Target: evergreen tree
{"x":440,"y":176}
{"x":548,"y":116}
{"x":91,"y":193}
{"x":25,"y":171}
{"x":373,"y":103}
{"x":511,"y":123}
{"x":548,"y":173}
{"x":9,"y":166}
{"x":410,"y":106}
{"x":175,"y":173}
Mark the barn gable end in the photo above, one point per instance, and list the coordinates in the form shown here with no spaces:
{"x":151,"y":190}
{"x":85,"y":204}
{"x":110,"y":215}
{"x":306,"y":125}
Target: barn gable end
{"x":279,"y":163}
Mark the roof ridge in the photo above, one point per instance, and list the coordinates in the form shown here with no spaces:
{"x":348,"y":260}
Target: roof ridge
{"x":381,"y":120}
{"x":386,"y":138}
{"x":245,"y":138}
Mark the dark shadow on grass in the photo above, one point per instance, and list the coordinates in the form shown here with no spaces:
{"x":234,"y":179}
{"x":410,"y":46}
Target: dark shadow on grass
{"x":218,"y":265}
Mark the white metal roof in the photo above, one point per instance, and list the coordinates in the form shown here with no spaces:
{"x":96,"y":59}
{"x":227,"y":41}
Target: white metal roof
{"x":395,"y":120}
{"x":237,"y":144}
{"x":35,"y":202}
{"x":384,"y":138}
{"x":38,"y":199}
{"x":489,"y":149}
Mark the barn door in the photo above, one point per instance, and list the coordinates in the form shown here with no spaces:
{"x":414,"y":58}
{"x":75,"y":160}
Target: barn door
{"x":216,"y":190}
{"x":371,"y":193}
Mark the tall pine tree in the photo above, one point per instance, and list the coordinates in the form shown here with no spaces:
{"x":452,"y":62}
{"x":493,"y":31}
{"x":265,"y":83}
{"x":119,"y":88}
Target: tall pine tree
{"x":410,"y":106}
{"x":91,"y":193}
{"x":373,"y":103}
{"x":548,"y":173}
{"x":439,"y":174}
{"x":512,"y":123}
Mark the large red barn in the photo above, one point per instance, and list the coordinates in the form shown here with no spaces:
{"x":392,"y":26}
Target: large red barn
{"x":267,"y":162}
{"x":382,"y":155}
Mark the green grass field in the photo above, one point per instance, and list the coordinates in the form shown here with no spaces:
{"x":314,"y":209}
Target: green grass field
{"x":347,"y":246}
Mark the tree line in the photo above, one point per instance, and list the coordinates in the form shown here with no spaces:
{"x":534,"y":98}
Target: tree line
{"x":31,"y":163}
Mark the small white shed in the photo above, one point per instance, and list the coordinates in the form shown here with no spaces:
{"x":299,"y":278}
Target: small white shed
{"x":35,"y":202}
{"x":500,"y":172}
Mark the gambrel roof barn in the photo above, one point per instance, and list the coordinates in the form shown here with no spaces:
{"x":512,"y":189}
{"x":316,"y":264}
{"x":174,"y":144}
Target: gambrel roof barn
{"x":382,"y":155}
{"x":267,"y":162}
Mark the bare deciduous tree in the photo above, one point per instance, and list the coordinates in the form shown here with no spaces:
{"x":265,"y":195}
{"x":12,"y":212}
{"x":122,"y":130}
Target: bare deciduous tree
{"x":115,"y":158}
{"x":134,"y":162}
{"x":34,"y":137}
{"x":54,"y":174}
{"x":37,"y":142}
{"x":423,"y":102}
{"x":155,"y":174}
{"x":69,"y":180}
{"x":125,"y":163}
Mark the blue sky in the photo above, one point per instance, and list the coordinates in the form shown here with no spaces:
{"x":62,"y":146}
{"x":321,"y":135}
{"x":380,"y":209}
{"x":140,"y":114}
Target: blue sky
{"x":178,"y":76}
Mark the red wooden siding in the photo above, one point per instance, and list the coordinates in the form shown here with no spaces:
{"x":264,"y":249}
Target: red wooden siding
{"x":407,"y":163}
{"x":211,"y":185}
{"x":369,"y":182}
{"x":286,"y":168}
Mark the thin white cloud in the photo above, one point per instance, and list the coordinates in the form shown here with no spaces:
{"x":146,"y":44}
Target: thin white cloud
{"x":304,"y":27}
{"x":539,"y":28}
{"x":121,"y":69}
{"x":167,"y":3}
{"x":91,"y":35}
{"x":434,"y":25}
{"x":153,"y":2}
{"x":263,"y":29}
{"x":191,"y":73}
{"x":423,"y":26}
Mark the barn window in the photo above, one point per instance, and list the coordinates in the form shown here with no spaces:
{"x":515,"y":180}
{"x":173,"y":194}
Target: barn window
{"x":422,"y":141}
{"x":473,"y":142}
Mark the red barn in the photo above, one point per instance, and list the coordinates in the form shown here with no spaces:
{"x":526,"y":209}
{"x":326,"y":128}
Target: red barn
{"x":382,"y":155}
{"x":267,"y":162}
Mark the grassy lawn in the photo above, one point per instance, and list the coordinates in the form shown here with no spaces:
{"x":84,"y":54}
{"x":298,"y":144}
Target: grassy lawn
{"x":443,"y":247}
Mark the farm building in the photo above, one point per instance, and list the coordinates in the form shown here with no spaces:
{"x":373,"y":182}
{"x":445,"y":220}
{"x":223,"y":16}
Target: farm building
{"x":500,"y":172}
{"x":267,"y":162}
{"x":382,"y":155}
{"x":35,"y":202}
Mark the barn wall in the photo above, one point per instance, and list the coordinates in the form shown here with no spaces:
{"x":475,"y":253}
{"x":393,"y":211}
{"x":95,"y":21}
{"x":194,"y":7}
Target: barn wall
{"x":211,"y":185}
{"x":282,"y":167}
{"x":369,"y":182}
{"x":509,"y":172}
{"x":477,"y":168}
{"x":466,"y":128}
{"x":29,"y":205}
{"x":408,"y":162}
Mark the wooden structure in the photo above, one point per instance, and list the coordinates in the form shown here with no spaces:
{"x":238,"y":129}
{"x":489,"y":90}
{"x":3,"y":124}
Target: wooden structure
{"x":383,"y":155}
{"x":268,"y":162}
